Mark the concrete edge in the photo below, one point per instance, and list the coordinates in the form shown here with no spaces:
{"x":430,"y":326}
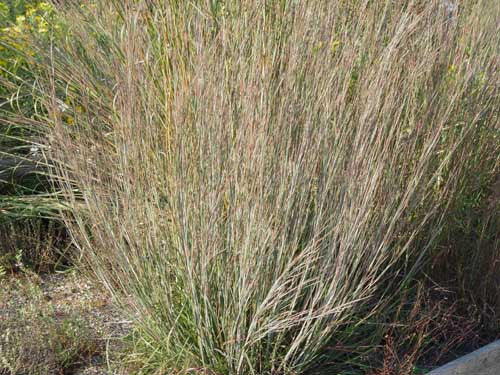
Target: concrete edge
{"x":484,"y":361}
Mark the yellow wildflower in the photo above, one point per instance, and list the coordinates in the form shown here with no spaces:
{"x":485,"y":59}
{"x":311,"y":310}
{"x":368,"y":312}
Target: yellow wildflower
{"x":44,"y":6}
{"x":30,"y":12}
{"x":335,"y":45}
{"x":42,"y":26}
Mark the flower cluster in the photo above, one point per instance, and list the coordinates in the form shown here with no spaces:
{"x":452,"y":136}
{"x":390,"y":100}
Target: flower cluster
{"x":15,"y":30}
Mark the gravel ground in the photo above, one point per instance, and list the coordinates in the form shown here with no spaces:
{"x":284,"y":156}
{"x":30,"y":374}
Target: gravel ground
{"x":26,"y":297}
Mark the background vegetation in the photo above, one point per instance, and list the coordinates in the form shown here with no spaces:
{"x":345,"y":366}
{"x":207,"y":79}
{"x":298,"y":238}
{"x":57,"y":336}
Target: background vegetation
{"x":31,"y":232}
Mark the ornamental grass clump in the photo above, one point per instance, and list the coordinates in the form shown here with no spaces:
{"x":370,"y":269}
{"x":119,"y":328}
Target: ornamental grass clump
{"x":256,"y":181}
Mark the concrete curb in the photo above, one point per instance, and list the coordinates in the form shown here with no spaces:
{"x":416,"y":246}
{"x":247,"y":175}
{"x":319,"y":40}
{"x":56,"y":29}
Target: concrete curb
{"x":484,"y":361}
